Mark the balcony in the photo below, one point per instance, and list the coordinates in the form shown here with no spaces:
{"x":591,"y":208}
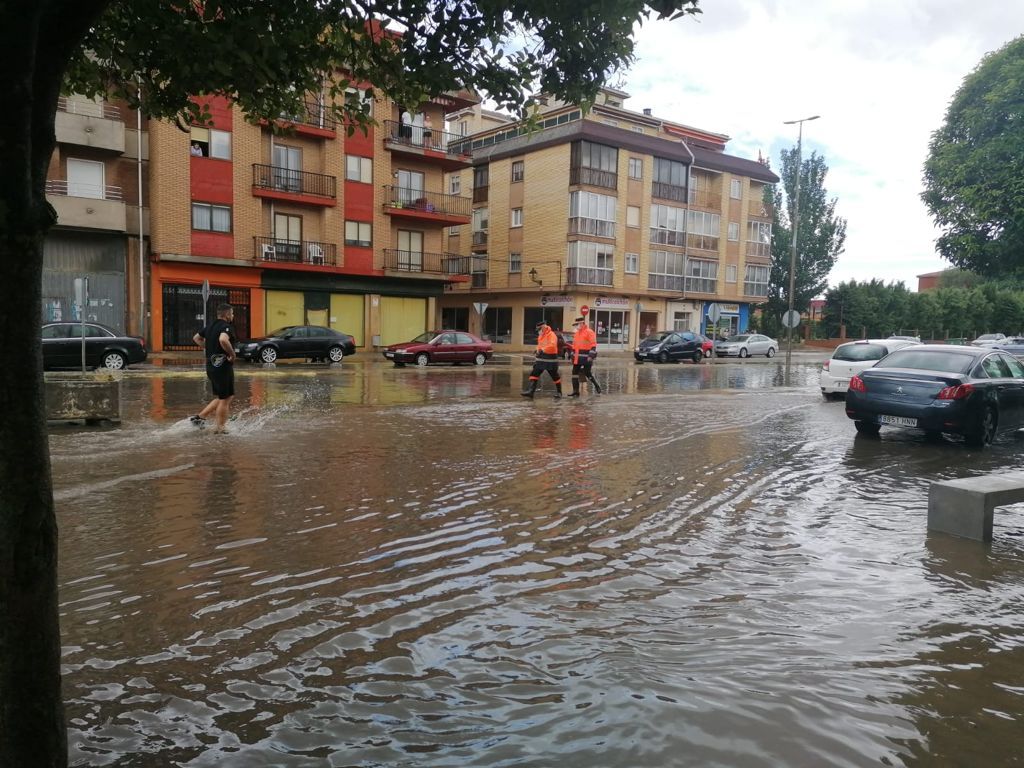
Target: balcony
{"x":760,"y":210}
{"x":665,"y":191}
{"x":480,"y":194}
{"x":87,"y":206}
{"x":589,"y":276}
{"x":702,"y":242}
{"x":291,"y":252}
{"x":427,"y":207}
{"x":448,"y":151}
{"x":480,"y":240}
{"x":706,"y":198}
{"x":760,"y":250}
{"x":279,"y":183}
{"x":88,"y":124}
{"x":593,"y":177}
{"x":429,"y":264}
{"x":313,"y":119}
{"x":663,"y":282}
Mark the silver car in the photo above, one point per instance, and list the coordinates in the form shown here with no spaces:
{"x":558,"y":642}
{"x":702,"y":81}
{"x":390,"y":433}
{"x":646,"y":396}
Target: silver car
{"x":747,"y":344}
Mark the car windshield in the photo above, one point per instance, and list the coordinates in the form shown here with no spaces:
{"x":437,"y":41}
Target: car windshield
{"x":423,"y":338}
{"x":281,"y":331}
{"x":859,"y":352}
{"x":946,"y":361}
{"x":738,"y":338}
{"x":657,"y":338}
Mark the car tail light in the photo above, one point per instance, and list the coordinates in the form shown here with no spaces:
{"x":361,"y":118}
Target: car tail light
{"x":824,"y":366}
{"x":959,"y":392}
{"x":857,"y":384}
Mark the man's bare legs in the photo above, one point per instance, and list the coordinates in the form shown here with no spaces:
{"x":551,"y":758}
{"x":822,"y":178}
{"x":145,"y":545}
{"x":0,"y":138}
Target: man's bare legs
{"x":223,"y":407}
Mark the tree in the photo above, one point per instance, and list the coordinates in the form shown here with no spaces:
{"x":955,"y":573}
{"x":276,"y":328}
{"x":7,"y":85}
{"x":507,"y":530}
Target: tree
{"x":265,"y":54}
{"x":975,"y":164}
{"x":821,"y":234}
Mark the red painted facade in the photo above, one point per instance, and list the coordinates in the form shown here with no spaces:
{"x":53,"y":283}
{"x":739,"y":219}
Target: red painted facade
{"x":359,"y":204}
{"x":210,"y":181}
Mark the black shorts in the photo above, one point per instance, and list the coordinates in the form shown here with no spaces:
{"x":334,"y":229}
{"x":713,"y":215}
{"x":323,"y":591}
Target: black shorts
{"x":222,"y":379}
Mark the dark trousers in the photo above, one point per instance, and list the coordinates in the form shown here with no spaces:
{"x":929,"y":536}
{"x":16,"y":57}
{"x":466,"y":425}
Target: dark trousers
{"x":540,"y":366}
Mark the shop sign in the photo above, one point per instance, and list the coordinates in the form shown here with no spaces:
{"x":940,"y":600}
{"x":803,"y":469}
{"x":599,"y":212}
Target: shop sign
{"x":613,"y":302}
{"x":556,"y":301}
{"x":730,"y":309}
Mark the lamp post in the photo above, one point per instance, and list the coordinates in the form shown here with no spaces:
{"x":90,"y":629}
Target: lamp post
{"x":796,"y":227}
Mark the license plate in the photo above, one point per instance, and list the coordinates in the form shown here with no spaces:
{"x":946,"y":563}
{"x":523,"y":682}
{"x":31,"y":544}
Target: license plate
{"x":898,"y":421}
{"x":389,"y":354}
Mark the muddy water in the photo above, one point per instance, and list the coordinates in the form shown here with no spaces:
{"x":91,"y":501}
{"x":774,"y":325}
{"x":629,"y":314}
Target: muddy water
{"x":383,"y":567}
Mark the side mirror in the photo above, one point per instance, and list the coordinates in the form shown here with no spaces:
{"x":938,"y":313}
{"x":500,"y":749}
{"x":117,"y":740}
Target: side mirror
{"x":286,"y":336}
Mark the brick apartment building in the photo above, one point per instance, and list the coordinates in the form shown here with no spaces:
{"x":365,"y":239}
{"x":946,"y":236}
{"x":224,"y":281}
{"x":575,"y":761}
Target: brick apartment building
{"x":642,"y":220}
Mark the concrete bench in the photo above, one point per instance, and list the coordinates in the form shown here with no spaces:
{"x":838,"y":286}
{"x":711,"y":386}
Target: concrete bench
{"x":965,"y":507}
{"x":89,"y":397}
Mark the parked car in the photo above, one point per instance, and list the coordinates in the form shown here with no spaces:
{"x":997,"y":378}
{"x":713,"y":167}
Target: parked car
{"x":895,"y":337}
{"x":313,"y":342}
{"x":104,"y":347}
{"x":988,"y":340}
{"x":565,"y":343}
{"x":441,"y":347}
{"x":850,"y":359}
{"x":705,"y":344}
{"x":1012,"y":344}
{"x":666,"y":346}
{"x":747,"y":344}
{"x":970,"y":391}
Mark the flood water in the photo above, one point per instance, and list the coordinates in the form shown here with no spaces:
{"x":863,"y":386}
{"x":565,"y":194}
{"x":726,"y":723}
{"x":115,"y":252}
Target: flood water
{"x":403,"y":567}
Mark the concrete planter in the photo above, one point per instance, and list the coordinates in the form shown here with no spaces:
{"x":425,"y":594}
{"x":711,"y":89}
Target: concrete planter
{"x":89,"y":397}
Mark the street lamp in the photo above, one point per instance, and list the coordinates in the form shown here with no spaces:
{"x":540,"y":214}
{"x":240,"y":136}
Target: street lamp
{"x":533,"y":276}
{"x":796,"y":227}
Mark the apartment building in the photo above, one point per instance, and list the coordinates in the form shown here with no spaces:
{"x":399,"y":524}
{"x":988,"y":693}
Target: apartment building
{"x":643,"y":221}
{"x":96,"y":183}
{"x":299,"y":222}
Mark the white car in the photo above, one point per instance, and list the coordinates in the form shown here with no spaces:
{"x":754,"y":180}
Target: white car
{"x":850,"y":359}
{"x":988,"y":340}
{"x":747,"y":344}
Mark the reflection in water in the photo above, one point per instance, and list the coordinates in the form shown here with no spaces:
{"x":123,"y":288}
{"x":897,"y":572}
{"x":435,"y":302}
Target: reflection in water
{"x":405,"y":567}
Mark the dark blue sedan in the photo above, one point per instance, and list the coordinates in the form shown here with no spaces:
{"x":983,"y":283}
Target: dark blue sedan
{"x":975,"y":392}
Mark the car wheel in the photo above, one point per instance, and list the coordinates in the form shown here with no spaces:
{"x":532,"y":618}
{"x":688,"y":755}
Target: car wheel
{"x":268,"y":354}
{"x":480,"y":358}
{"x":336,"y":354}
{"x":984,"y":432}
{"x":707,"y":353}
{"x":698,"y":356}
{"x":744,"y":353}
{"x":663,"y":357}
{"x":114,"y":361}
{"x":867,"y":428}
{"x":770,"y":352}
{"x":422,"y":359}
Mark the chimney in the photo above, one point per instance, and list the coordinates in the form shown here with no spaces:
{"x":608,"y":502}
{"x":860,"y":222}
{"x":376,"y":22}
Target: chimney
{"x":647,"y":111}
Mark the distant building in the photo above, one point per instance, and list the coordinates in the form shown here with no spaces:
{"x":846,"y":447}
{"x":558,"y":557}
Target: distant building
{"x":930,"y":280}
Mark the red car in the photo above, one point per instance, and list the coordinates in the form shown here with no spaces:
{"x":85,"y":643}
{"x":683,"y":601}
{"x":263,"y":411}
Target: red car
{"x":441,"y":347}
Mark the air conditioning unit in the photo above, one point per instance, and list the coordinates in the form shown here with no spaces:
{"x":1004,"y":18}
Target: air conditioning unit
{"x":269,"y":252}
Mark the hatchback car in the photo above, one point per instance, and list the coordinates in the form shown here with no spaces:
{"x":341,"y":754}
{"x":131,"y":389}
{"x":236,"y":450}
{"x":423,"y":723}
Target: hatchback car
{"x":666,"y":346}
{"x":970,"y":391}
{"x":104,"y":347}
{"x":850,"y":359}
{"x":441,"y":347}
{"x":747,"y":344}
{"x":1012,"y":344}
{"x":313,"y":342}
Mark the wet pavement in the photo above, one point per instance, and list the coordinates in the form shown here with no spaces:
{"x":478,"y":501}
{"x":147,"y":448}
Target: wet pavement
{"x":405,"y":567}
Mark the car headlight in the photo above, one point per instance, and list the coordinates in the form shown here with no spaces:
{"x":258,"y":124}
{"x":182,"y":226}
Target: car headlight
{"x":251,"y":346}
{"x":399,"y":351}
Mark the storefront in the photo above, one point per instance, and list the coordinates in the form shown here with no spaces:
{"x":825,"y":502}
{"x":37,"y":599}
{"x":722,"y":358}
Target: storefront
{"x":611,"y":321}
{"x":735,"y":318}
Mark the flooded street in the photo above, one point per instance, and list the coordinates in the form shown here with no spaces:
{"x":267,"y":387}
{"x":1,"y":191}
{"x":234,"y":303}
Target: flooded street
{"x":405,"y":567}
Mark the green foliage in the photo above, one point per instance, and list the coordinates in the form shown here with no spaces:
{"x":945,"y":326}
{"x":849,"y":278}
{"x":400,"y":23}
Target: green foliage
{"x":974,"y":174}
{"x":821,"y":238}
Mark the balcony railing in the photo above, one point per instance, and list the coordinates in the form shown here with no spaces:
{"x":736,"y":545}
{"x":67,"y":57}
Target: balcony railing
{"x":661,"y":282}
{"x":665,"y":191}
{"x":479,"y":280}
{"x":425,"y":138}
{"x":702,"y":242}
{"x":479,"y":194}
{"x":88,"y":108}
{"x":755,"y":289}
{"x":427,"y":202}
{"x":66,"y":188}
{"x":595,"y":227}
{"x":480,"y":237}
{"x":706,"y":198}
{"x":295,"y":251}
{"x":588,"y":276}
{"x":314,"y":114}
{"x":667,"y":236}
{"x":760,"y":209}
{"x":764,"y":250}
{"x":427,"y":263}
{"x":278,"y":179}
{"x":594,"y":177}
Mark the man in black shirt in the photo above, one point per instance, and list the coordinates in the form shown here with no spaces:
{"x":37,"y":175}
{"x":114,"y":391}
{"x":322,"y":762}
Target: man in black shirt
{"x":219,"y":340}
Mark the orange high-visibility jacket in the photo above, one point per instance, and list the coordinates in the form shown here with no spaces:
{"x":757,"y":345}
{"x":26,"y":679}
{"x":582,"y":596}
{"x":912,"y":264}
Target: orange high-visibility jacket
{"x":584,"y":341}
{"x":547,"y":344}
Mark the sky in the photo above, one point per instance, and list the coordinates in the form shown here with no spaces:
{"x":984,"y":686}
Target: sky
{"x":881,"y":74}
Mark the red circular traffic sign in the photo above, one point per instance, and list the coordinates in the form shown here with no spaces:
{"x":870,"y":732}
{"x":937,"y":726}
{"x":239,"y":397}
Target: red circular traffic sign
{"x":584,"y":309}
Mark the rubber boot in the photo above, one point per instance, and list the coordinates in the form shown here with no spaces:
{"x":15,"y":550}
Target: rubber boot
{"x":575,"y":386}
{"x":558,"y":389}
{"x":597,"y":387}
{"x":528,"y":392}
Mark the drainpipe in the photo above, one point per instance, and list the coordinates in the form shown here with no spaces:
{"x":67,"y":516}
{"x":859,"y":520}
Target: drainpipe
{"x":142,"y":256}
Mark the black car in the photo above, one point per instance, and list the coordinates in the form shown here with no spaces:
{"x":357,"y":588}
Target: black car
{"x":104,"y":347}
{"x":313,"y":342}
{"x":971,"y":391}
{"x":666,"y":346}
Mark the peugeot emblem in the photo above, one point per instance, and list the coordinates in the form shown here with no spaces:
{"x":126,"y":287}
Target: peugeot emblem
{"x":899,"y":390}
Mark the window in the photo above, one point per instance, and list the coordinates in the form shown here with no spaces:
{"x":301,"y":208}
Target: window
{"x":730,"y":273}
{"x":463,"y":128}
{"x":361,"y":98}
{"x":481,"y":219}
{"x":515,"y":262}
{"x":636,"y":167}
{"x":734,"y":231}
{"x":594,"y":164}
{"x":592,"y":214}
{"x":457,"y":318}
{"x":590,"y":263}
{"x":612,"y":123}
{"x":481,"y":176}
{"x":359,"y":233}
{"x":701,"y":276}
{"x":287,"y":238}
{"x":455,"y":185}
{"x":736,"y":189}
{"x":632,"y":263}
{"x":702,"y":230}
{"x":756,"y":281}
{"x":668,"y":225}
{"x":498,"y":325}
{"x":518,"y":168}
{"x":517,"y":217}
{"x":636,"y":128}
{"x":359,"y":169}
{"x":211,"y":218}
{"x":453,"y":231}
{"x":666,"y":271}
{"x":209,"y":142}
{"x":669,"y":179}
{"x":632,"y":216}
{"x":759,"y":238}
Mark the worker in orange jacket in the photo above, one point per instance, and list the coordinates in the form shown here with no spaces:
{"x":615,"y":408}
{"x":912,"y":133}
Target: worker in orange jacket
{"x":545,"y":359}
{"x":584,"y":350}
